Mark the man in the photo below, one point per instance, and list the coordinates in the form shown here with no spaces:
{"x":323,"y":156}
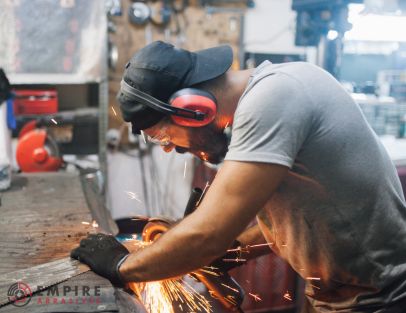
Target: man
{"x":302,"y":160}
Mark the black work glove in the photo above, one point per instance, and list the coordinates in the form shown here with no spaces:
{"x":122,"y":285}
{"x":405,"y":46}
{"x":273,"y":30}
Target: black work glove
{"x":231,"y":259}
{"x":104,"y":255}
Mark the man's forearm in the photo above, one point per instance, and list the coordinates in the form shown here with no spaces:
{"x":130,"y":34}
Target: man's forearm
{"x":148,"y":264}
{"x":208,"y":232}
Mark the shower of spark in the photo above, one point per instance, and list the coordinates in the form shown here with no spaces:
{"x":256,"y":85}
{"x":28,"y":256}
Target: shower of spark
{"x":133,"y":196}
{"x":162,"y":296}
{"x":54,"y":121}
{"x":114,"y":111}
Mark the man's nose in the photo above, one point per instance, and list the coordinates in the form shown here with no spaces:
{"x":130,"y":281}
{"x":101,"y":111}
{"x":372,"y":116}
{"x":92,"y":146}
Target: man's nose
{"x":168,"y":148}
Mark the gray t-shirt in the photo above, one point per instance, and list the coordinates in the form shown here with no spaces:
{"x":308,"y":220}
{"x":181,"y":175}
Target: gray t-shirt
{"x":339,"y":218}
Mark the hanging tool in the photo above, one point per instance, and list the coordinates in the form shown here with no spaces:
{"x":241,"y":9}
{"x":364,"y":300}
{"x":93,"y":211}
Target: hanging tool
{"x":139,"y":13}
{"x":161,"y":13}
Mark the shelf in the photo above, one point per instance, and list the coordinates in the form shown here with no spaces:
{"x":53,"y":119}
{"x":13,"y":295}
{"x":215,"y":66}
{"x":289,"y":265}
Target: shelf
{"x":50,"y":79}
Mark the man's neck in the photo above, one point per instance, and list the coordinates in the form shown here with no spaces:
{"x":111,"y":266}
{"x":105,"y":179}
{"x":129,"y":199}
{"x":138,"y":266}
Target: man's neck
{"x":237,"y":82}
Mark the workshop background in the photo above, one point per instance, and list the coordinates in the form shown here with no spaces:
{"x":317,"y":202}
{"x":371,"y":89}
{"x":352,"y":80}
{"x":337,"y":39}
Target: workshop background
{"x":69,"y":164}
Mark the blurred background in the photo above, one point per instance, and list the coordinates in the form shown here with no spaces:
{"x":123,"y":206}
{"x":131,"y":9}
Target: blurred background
{"x":65,"y":58}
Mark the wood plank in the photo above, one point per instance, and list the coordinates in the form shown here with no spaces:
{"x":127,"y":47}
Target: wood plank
{"x":40,"y":221}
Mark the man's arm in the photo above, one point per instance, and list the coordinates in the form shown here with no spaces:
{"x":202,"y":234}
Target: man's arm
{"x":210,"y":230}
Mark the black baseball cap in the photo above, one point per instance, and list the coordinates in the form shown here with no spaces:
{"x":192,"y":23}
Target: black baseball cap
{"x":160,"y":69}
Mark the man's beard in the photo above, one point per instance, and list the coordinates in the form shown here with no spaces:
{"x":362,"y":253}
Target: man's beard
{"x":208,"y":143}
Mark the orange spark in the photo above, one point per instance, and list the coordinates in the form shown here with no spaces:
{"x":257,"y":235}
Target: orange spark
{"x":211,"y":267}
{"x":208,"y":272}
{"x":203,"y":192}
{"x":313,"y":278}
{"x":114,"y":111}
{"x":256,"y":297}
{"x":85,"y":223}
{"x":260,"y":245}
{"x":133,"y":196}
{"x":203,"y":156}
{"x":287,"y":296}
{"x":231,"y":288}
{"x":231,"y":299}
{"x":143,"y":137}
{"x":235,"y":260}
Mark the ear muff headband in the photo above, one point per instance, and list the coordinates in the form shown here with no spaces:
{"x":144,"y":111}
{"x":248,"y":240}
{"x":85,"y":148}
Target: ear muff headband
{"x":158,"y":105}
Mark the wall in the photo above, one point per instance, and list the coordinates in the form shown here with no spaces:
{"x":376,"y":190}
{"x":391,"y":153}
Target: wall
{"x":270,"y":28}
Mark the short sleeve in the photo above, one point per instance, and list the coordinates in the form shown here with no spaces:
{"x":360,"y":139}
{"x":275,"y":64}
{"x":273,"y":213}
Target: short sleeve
{"x":272,"y":121}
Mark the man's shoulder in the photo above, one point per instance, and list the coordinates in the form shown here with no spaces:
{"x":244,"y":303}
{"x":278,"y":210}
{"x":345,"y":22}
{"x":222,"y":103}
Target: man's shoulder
{"x":295,"y":70}
{"x":294,"y":82}
{"x":274,"y":82}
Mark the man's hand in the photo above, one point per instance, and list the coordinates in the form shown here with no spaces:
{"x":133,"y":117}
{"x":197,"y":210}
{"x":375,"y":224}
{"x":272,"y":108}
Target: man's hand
{"x":104,"y":255}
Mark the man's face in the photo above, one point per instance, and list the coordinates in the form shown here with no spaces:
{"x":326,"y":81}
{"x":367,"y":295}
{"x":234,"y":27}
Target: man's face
{"x":209,"y":143}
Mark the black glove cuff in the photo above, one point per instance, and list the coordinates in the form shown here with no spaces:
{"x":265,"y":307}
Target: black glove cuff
{"x":116,"y":278}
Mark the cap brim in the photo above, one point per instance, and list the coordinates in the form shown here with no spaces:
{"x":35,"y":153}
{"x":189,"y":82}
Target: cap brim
{"x":210,"y":63}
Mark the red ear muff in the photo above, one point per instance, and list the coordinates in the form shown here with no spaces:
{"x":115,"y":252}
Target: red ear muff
{"x":195,"y":100}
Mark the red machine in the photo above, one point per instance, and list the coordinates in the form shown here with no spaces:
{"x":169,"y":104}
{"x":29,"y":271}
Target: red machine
{"x":35,"y":102}
{"x":36,"y":151}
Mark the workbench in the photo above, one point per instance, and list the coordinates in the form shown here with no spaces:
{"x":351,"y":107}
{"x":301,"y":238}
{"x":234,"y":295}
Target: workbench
{"x":40,"y":221}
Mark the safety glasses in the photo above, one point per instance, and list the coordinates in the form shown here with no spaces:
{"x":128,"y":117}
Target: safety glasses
{"x":162,"y":138}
